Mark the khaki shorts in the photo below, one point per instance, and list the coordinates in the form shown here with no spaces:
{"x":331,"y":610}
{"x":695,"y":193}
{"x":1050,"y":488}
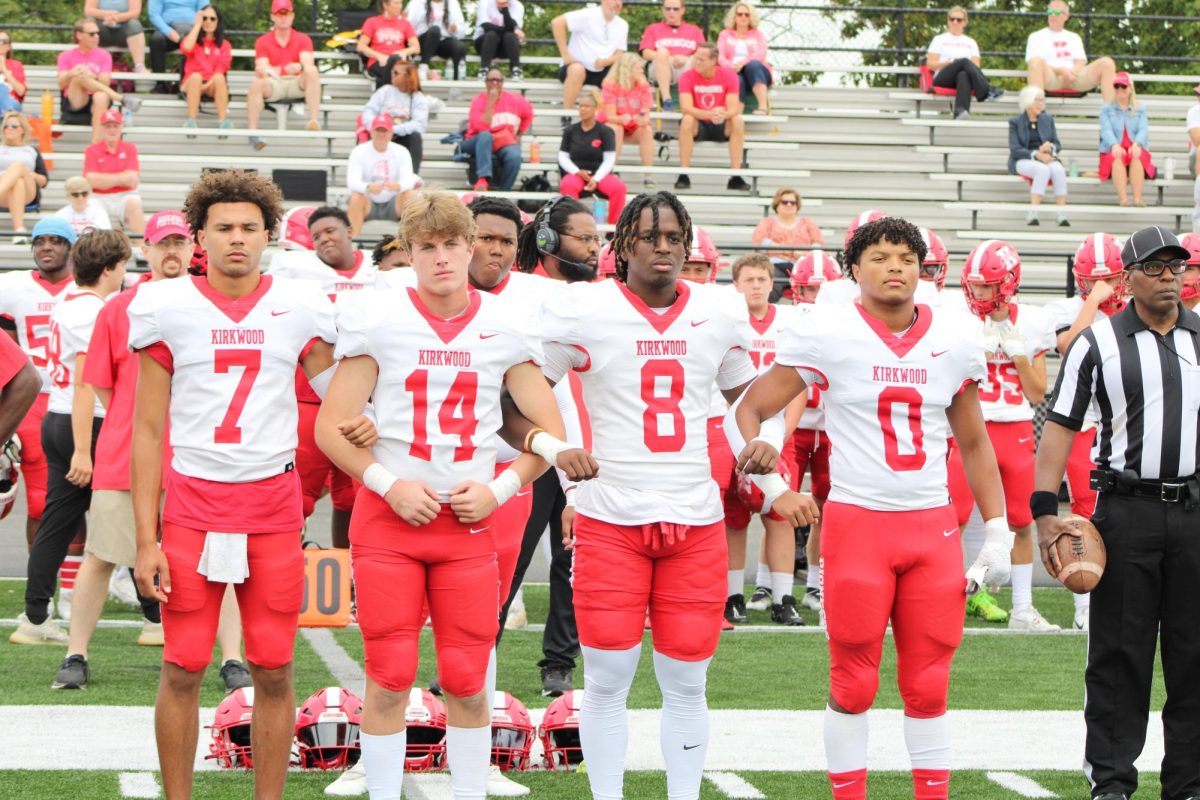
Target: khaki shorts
{"x":111,"y":534}
{"x":114,"y":203}
{"x":1082,"y":83}
{"x":285,"y":89}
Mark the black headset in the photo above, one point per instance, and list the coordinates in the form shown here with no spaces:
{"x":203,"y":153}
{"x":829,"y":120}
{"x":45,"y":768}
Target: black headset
{"x":546,"y":238}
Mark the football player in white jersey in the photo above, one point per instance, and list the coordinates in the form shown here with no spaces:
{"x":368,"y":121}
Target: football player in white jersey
{"x":72,"y":423}
{"x":898,"y":377}
{"x":848,"y":291}
{"x":338,"y":267}
{"x":217,"y":355}
{"x":434,"y":358}
{"x":1015,"y":337}
{"x":649,"y":530}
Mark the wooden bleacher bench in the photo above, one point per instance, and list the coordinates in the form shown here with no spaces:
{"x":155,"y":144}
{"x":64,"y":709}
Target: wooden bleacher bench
{"x":1149,"y":213}
{"x":1160,"y":185}
{"x":1163,"y":131}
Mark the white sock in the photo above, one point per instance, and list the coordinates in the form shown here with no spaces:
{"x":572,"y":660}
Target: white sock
{"x":683,"y":731}
{"x":489,"y":679}
{"x":763,"y":576}
{"x":845,"y":741}
{"x":737,"y":582}
{"x":1082,"y":601}
{"x":813,"y":580}
{"x":603,"y":719}
{"x":928,"y":742}
{"x":468,"y":752}
{"x":383,"y":761}
{"x":782,"y":584}
{"x":1022,"y":586}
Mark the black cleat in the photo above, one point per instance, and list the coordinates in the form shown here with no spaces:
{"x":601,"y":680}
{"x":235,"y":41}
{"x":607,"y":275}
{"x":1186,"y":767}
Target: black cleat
{"x":557,"y":681}
{"x":760,"y":600}
{"x":73,"y":674}
{"x":785,"y":613}
{"x":683,"y":182}
{"x":235,"y":675}
{"x":435,"y":688}
{"x":735,"y":609}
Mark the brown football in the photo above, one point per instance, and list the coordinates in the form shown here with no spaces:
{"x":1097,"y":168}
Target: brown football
{"x":1082,"y":558}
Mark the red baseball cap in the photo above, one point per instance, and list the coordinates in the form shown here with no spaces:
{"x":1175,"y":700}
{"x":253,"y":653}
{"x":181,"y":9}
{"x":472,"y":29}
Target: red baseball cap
{"x":279,"y":6}
{"x":164,"y":224}
{"x":381,"y":121}
{"x":112,"y":116}
{"x":1122,"y":79}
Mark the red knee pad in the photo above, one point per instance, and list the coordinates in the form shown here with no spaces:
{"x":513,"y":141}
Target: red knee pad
{"x":462,"y":669}
{"x":391,"y":660}
{"x":34,"y":471}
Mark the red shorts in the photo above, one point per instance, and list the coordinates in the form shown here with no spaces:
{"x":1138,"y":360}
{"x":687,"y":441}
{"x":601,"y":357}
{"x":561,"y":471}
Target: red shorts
{"x":616,"y":577}
{"x":1079,"y":474}
{"x":269,"y":599}
{"x":810,"y":452}
{"x":316,"y":470}
{"x":904,"y":566}
{"x":510,"y":520}
{"x":399,"y":568}
{"x":33,"y":459}
{"x":1015,"y":448}
{"x":744,"y":498}
{"x":720,"y":456}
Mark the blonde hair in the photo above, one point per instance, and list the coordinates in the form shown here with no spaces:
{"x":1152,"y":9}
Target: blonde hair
{"x":731,"y":18}
{"x":593,"y":94}
{"x":624,"y":72}
{"x":1133,"y":101}
{"x":959,"y":9}
{"x":434,"y":214}
{"x":77,"y":183}
{"x":1028,"y":96}
{"x":26,"y":128}
{"x":782,"y":192}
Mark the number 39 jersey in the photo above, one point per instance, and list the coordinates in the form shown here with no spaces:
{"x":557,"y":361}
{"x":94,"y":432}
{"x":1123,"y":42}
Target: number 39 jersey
{"x":647,"y":383}
{"x":885,"y":399}
{"x":233,"y":369}
{"x":1001,"y":395}
{"x":437,"y":397}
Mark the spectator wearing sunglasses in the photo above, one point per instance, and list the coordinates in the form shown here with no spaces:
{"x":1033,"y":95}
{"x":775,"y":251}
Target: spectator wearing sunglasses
{"x":209,"y":57}
{"x":82,"y":212}
{"x":406,"y":104}
{"x":1057,"y":61}
{"x":12,"y":76}
{"x":284,"y":70}
{"x":1125,"y":142}
{"x":22,"y":171}
{"x":120,"y":27}
{"x":668,"y":47}
{"x":742,"y":47}
{"x":171,"y":19}
{"x":953,"y":57}
{"x":786,"y":227}
{"x":85,"y":78}
{"x":495,"y":123}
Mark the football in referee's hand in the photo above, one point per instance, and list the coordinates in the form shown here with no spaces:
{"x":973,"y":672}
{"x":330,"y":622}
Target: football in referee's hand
{"x":1082,"y":557}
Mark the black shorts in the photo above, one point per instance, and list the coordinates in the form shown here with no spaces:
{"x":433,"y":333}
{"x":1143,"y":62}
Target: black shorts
{"x":708,"y":131}
{"x":592,"y":78}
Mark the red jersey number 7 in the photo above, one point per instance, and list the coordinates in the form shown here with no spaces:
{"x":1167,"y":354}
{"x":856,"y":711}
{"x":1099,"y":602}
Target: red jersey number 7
{"x":228,"y":432}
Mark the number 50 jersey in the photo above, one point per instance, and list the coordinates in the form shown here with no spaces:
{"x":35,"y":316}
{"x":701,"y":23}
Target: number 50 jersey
{"x":885,"y":399}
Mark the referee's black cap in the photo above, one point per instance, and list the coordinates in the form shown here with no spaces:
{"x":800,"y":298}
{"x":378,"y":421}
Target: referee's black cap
{"x":1148,"y":241}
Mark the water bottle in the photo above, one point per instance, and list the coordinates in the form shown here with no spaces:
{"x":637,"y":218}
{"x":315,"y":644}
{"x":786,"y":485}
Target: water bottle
{"x":1073,"y":169}
{"x":47,"y":107}
{"x":600,"y":209}
{"x":1170,"y":169}
{"x":535,"y":153}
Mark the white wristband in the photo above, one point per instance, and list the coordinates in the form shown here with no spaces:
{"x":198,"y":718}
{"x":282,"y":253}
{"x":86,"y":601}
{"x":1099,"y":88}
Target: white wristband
{"x":996,"y":530}
{"x":773,"y":487}
{"x":378,"y":479}
{"x":548,"y":447}
{"x":505,"y":485}
{"x":569,"y":495}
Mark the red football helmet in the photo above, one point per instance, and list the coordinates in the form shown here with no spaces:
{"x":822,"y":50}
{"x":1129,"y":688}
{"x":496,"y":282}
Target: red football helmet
{"x":993,"y":262}
{"x":293,"y":229}
{"x":425,"y":718}
{"x":937,"y":258}
{"x":1191,"y":286}
{"x":512,"y":733}
{"x":327,"y":729}
{"x":752,"y":496}
{"x":872,"y":215}
{"x":607,"y":265}
{"x":814,"y":268}
{"x":230,"y":745}
{"x":1099,"y":258}
{"x":560,"y":732}
{"x":10,"y":476}
{"x":705,"y":251}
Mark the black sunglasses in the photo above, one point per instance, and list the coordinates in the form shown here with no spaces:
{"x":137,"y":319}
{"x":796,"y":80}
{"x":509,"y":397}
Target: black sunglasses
{"x":80,"y":194}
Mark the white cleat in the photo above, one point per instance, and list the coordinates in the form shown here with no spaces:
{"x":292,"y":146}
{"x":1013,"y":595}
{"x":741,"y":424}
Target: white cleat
{"x":499,"y":785}
{"x":1028,"y":619}
{"x":49,"y":632}
{"x":64,"y":604}
{"x":151,"y":635}
{"x":516,"y":620}
{"x":351,"y":783}
{"x":1081,"y":618}
{"x":121,"y":589}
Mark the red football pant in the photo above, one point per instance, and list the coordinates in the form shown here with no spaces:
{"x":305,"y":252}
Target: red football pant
{"x":510,"y":520}
{"x":616,"y":577}
{"x":33,"y":458}
{"x":1013,"y":443}
{"x":720,"y":456}
{"x":1079,"y":474}
{"x":810,"y":451}
{"x":610,"y":186}
{"x":269,"y":599}
{"x":315,"y":468}
{"x":399,"y":568}
{"x":905,"y":566}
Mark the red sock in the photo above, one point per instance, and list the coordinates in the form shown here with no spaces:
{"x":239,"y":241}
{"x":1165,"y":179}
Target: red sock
{"x":68,"y":570}
{"x":931,"y":784}
{"x":849,"y":785}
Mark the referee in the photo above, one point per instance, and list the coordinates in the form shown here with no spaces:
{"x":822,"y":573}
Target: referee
{"x":1140,"y":368}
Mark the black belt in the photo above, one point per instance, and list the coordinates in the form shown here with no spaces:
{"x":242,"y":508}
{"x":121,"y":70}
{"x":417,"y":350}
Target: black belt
{"x":1173,"y":490}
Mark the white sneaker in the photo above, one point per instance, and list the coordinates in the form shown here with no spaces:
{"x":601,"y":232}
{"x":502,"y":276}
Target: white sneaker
{"x":121,"y":589}
{"x":812,"y":599}
{"x":499,"y":784}
{"x":49,"y":632}
{"x":1081,"y":618}
{"x":516,"y":620}
{"x":64,"y":604}
{"x":151,"y":635}
{"x":351,"y":783}
{"x":1028,"y":619}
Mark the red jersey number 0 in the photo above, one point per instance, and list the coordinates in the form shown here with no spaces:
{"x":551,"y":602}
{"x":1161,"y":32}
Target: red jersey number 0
{"x":910,"y":398}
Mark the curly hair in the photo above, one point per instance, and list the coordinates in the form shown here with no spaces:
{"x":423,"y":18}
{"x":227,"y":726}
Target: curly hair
{"x":386,"y":245}
{"x":233,"y":186}
{"x":557,"y":211}
{"x":497,"y":207}
{"x":96,"y":251}
{"x":627,"y":226}
{"x":894,"y":229}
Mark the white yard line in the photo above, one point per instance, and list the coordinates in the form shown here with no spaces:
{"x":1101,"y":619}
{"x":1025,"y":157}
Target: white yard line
{"x":347,"y":671}
{"x":138,"y":784}
{"x":434,"y":786}
{"x":734,"y":785}
{"x":1026,"y":787}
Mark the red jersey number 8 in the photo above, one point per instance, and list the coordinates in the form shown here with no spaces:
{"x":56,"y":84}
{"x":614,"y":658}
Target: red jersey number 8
{"x":888,"y":399}
{"x":659,"y":405}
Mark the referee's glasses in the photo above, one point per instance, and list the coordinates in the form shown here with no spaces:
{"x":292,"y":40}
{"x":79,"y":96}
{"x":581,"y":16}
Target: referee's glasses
{"x":1155,"y":268}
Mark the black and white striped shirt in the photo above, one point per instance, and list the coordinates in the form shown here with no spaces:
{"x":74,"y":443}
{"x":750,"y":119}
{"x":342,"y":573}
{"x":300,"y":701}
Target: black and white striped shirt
{"x":1146,"y":388}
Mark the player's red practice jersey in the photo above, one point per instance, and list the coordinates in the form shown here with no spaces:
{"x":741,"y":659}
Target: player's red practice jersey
{"x":886,"y":399}
{"x":27,"y":299}
{"x":1000,"y":394}
{"x":71,"y":324}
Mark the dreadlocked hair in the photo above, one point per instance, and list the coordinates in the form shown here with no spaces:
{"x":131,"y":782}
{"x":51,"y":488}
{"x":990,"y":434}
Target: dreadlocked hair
{"x":558,"y":210}
{"x":893,"y":229}
{"x":627,"y":226}
{"x":497,"y":207}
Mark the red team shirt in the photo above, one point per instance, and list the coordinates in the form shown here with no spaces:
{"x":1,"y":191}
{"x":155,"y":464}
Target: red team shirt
{"x":27,"y":299}
{"x":681,"y":41}
{"x":709,"y":93}
{"x":387,"y":35}
{"x":97,"y":158}
{"x":280,"y":55}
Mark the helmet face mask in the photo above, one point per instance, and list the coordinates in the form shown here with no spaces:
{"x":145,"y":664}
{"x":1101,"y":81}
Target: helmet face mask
{"x":425,"y":720}
{"x":512,"y":733}
{"x":230,"y":745}
{"x":1099,"y":259}
{"x":995,"y":263}
{"x":327,"y":728}
{"x":559,"y":732}
{"x":936,"y":265}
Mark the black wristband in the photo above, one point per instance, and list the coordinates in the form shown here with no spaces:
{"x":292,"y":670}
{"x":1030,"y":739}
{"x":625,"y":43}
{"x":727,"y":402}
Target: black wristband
{"x":1043,"y":504}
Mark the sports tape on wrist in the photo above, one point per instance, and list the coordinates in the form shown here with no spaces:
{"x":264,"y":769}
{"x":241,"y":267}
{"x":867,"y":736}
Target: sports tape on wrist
{"x":505,"y":485}
{"x":378,"y":478}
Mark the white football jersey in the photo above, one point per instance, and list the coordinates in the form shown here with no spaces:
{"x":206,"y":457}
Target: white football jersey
{"x":764,"y":332}
{"x":847,"y":291}
{"x":304,"y":265}
{"x":27,"y":299}
{"x":437,"y":399}
{"x":885,"y":399}
{"x":1062,"y":314}
{"x":1001,"y":395}
{"x":233,"y":363}
{"x":71,"y":324}
{"x":647,"y":380}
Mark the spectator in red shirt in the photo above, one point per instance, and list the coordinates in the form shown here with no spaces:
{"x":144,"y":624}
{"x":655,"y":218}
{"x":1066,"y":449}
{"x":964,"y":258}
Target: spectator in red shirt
{"x":284,"y":70}
{"x":628,"y":99}
{"x":111,"y":167}
{"x":12,"y":76}
{"x":712,"y":112}
{"x":668,"y":46}
{"x":494,"y":126}
{"x":208,"y":59}
{"x":84,"y":77}
{"x":386,"y":38}
{"x":743,"y":49}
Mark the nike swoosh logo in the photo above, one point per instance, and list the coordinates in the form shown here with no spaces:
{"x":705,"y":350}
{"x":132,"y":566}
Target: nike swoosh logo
{"x":950,"y":532}
{"x":696,"y":325}
{"x":480,"y":530}
{"x":844,"y":785}
{"x":935,"y":355}
{"x":1026,"y":440}
{"x":522,"y":494}
{"x":280,"y":313}
{"x":487,"y":335}
{"x":936,"y":783}
{"x":692,"y":746}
